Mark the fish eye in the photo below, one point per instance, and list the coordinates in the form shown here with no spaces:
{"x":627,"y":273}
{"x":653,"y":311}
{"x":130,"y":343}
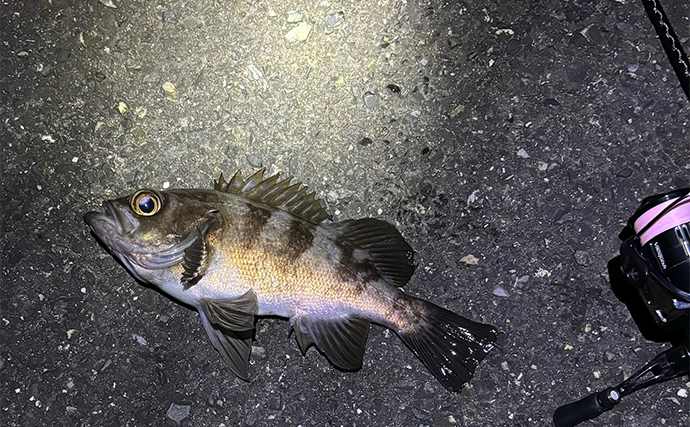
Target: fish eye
{"x":146,"y":203}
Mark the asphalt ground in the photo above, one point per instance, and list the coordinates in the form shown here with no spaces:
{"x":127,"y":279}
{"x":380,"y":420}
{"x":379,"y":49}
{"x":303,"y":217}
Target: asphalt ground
{"x":522,"y":133}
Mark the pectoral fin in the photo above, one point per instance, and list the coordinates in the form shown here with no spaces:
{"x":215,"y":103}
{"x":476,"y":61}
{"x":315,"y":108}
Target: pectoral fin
{"x":341,"y":340}
{"x":229,"y":323}
{"x":194,"y":262}
{"x":197,"y":254}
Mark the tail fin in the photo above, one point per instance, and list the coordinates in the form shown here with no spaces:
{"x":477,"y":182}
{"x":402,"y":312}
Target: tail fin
{"x":449,"y":345}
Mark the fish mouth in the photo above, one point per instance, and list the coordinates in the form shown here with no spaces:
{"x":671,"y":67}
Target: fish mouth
{"x":110,"y":227}
{"x":109,"y":217}
{"x":105,"y":217}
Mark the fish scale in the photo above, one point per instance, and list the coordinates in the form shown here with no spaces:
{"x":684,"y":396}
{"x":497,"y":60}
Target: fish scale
{"x":264,"y":246}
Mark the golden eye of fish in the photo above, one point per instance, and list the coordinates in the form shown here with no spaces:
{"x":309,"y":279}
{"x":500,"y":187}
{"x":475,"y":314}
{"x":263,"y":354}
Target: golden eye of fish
{"x":146,"y":203}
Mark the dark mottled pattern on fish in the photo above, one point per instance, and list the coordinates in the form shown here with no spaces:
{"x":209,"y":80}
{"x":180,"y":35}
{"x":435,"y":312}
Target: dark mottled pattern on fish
{"x":253,"y":225}
{"x":353,"y":270}
{"x":405,"y":311}
{"x":298,"y":239}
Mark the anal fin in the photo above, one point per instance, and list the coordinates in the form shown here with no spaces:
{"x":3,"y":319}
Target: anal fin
{"x":342,"y":340}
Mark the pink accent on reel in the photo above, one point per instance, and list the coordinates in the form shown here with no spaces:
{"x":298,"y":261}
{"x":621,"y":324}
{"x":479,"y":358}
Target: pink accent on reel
{"x":680,"y":214}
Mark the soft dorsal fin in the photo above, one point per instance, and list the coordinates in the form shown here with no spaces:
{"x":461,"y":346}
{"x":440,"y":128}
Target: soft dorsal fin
{"x":383,"y":246}
{"x":292,"y":198}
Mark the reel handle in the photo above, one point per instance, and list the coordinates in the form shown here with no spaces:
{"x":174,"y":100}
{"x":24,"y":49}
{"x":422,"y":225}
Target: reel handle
{"x":584,"y":409}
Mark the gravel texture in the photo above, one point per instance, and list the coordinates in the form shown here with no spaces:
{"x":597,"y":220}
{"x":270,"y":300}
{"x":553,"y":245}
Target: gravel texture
{"x":522,"y":133}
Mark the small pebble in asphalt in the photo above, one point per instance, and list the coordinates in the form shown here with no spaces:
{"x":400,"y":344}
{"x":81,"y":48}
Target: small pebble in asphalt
{"x":371,"y":100}
{"x":583,"y":258}
{"x":299,"y":33}
{"x":499,"y":291}
{"x":393,"y":88}
{"x":177,"y":412}
{"x":334,"y":19}
{"x":294,"y":16}
{"x":255,"y":159}
{"x":522,"y":153}
{"x":169,"y":16}
{"x":170,"y":91}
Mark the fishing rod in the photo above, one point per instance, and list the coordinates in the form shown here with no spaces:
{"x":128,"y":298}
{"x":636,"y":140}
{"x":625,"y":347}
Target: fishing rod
{"x":671,"y":43}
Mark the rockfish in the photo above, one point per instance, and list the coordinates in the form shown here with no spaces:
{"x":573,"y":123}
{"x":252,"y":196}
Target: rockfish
{"x":265,"y":247}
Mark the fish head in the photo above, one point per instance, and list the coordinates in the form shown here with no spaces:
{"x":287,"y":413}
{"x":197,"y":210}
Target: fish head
{"x":149,"y":230}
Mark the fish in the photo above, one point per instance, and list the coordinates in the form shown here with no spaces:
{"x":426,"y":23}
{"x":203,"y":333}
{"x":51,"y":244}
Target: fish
{"x":255,"y":247}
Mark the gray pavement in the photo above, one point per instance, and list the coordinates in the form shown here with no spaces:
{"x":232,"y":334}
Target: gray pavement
{"x":523,"y":133}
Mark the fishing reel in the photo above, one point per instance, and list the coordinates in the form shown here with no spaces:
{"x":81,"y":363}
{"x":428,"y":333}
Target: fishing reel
{"x":652,"y":277}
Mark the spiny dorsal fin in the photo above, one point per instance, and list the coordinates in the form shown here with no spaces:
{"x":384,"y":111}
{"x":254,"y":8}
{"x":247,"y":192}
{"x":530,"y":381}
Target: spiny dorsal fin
{"x":284,"y":195}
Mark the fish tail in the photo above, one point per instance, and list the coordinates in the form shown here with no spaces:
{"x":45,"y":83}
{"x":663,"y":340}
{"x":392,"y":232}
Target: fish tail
{"x":449,"y":345}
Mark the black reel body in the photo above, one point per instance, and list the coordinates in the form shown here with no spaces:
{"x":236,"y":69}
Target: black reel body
{"x":656,"y":262}
{"x":652,"y":277}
